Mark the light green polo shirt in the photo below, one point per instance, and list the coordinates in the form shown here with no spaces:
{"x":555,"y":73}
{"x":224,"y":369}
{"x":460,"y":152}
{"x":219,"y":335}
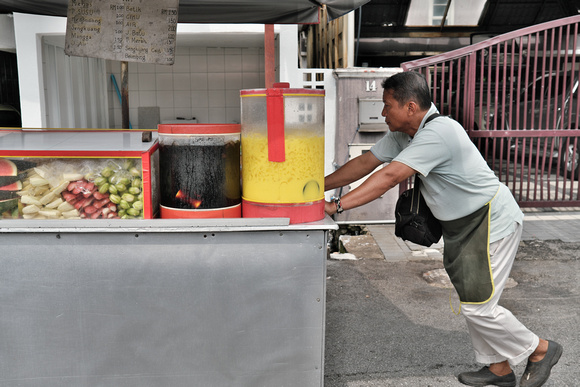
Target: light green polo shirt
{"x":456,"y":180}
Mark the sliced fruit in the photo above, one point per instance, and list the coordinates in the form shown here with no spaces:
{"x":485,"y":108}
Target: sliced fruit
{"x":5,"y":180}
{"x":55,"y":203}
{"x":17,"y":186}
{"x":49,"y":197}
{"x":73,"y":176}
{"x":59,"y":188}
{"x":27,"y":199}
{"x":8,"y":205}
{"x":8,"y":168}
{"x":23,"y":165}
{"x":8,"y":195}
{"x":65,"y":206}
{"x":38,"y":181}
{"x":30,"y":209}
{"x":41,"y":171}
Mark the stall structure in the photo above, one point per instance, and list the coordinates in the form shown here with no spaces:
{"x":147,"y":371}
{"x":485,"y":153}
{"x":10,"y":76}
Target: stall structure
{"x":99,"y":291}
{"x":165,"y":302}
{"x":128,"y":299}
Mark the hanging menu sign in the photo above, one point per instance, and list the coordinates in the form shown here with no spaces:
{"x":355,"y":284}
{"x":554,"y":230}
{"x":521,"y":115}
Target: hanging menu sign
{"x":124,"y":30}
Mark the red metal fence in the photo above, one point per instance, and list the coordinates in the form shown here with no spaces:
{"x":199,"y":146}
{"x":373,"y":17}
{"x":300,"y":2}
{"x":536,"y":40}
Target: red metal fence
{"x":517,"y":96}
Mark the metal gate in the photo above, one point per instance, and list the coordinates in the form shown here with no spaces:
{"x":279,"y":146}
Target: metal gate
{"x":517,"y":96}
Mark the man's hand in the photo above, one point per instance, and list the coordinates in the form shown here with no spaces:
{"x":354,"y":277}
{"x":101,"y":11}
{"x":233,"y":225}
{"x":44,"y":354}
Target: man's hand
{"x":330,"y":208}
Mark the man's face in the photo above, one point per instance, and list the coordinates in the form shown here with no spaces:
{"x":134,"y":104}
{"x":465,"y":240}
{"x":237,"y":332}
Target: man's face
{"x":396,"y":116}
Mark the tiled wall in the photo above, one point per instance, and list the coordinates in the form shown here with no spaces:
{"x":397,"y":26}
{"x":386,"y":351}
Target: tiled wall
{"x":203,"y":82}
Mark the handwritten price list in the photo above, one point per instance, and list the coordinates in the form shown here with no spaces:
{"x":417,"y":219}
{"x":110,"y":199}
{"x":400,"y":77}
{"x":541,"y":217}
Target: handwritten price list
{"x":124,"y":30}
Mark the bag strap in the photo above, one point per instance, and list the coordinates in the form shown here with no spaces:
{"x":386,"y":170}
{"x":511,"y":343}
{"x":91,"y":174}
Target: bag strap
{"x":431,"y":117}
{"x":417,"y":181}
{"x":416,"y":194}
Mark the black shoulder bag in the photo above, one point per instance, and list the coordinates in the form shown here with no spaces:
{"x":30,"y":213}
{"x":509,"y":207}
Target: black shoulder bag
{"x":414,"y":221}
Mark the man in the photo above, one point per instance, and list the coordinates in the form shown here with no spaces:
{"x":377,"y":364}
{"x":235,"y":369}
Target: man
{"x":482,"y":224}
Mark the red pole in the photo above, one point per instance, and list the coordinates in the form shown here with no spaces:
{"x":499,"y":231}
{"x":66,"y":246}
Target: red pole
{"x":269,"y":55}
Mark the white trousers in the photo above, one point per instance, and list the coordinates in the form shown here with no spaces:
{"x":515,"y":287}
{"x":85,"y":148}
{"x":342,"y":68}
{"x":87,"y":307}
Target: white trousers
{"x":495,"y":332}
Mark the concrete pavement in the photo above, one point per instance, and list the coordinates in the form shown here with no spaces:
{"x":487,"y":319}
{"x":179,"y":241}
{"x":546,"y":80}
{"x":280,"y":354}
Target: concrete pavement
{"x":386,"y":325}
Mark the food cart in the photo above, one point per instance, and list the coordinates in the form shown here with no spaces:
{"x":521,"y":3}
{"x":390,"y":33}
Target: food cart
{"x":163,"y":303}
{"x":116,"y":296}
{"x":151,"y":302}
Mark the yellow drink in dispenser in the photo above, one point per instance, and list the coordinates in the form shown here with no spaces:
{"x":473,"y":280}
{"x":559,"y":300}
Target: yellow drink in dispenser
{"x":282,"y":147}
{"x":298,"y":180}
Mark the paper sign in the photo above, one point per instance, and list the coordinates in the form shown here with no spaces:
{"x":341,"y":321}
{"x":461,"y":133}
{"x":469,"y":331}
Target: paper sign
{"x":123,"y":30}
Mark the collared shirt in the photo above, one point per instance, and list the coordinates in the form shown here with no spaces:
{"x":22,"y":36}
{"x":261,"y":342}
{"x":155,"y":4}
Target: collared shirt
{"x":456,"y":180}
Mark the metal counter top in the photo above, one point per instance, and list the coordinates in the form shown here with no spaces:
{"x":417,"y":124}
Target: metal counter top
{"x":161,"y":225}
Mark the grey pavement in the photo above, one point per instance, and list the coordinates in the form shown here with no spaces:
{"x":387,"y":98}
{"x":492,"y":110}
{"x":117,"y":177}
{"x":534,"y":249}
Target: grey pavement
{"x":389,"y":324}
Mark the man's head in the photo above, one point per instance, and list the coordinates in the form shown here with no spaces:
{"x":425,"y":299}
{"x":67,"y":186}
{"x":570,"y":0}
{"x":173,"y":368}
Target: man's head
{"x":406,"y":99}
{"x":409,"y":86}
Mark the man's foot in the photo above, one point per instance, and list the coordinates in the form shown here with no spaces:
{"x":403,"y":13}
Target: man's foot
{"x":484,"y":377}
{"x":538,"y":372}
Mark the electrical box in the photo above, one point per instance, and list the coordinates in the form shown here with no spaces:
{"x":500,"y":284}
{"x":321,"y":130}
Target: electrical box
{"x":369,"y":115}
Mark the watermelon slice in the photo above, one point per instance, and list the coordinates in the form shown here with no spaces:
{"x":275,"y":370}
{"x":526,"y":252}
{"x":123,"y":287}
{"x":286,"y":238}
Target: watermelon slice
{"x":8,"y":205}
{"x":8,"y":195}
{"x":6,"y":180}
{"x":23,"y":165}
{"x":16,"y":186}
{"x":8,"y":168}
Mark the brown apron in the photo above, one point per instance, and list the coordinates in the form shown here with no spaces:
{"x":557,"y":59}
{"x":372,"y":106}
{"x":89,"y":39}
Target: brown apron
{"x":466,"y":256}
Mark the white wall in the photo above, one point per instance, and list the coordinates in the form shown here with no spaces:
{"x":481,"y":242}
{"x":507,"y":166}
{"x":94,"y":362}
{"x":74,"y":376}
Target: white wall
{"x":288,"y":47}
{"x":204,"y":83}
{"x":28,"y":31}
{"x":211,"y":90}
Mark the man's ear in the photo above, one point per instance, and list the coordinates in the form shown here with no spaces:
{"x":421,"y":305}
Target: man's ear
{"x":412,"y":108}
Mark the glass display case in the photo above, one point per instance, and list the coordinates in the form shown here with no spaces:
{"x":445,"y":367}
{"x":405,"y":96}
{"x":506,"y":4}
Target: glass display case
{"x":78,"y":174}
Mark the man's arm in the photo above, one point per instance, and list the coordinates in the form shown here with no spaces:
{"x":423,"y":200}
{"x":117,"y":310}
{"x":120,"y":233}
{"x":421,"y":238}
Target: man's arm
{"x":373,"y":187}
{"x":352,"y":171}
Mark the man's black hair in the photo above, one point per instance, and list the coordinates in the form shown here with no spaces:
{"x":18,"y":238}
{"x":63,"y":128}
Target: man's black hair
{"x":409,"y":86}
